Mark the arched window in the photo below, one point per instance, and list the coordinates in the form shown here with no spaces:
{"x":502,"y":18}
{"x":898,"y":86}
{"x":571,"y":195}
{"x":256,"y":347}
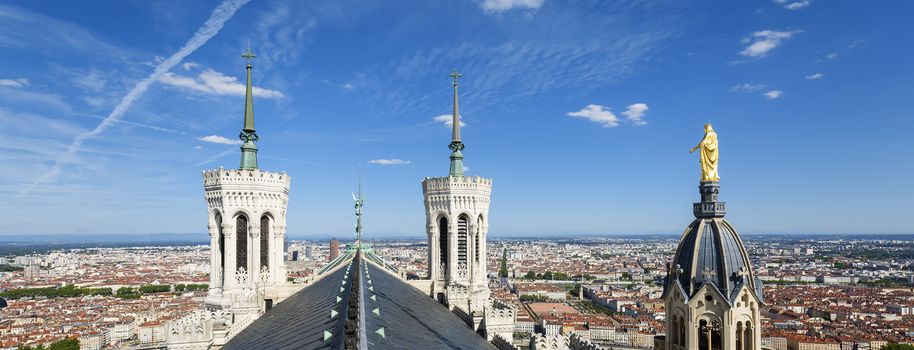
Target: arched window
{"x":709,"y":332}
{"x":442,"y":244}
{"x":674,"y":331}
{"x":748,"y":336}
{"x":682,"y":332}
{"x":739,"y":336}
{"x":462,"y":239}
{"x":265,"y":241}
{"x":241,"y":242}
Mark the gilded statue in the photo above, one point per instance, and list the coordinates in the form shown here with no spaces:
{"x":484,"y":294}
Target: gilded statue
{"x":709,"y":155}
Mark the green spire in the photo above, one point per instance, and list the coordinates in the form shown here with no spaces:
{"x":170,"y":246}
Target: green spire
{"x":456,"y":146}
{"x":248,"y":134}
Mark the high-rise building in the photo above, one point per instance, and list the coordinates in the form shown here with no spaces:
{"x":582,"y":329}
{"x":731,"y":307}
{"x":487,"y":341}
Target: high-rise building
{"x":334,"y":249}
{"x":246,"y":210}
{"x":309,"y":252}
{"x":713,"y":298}
{"x":457,"y":214}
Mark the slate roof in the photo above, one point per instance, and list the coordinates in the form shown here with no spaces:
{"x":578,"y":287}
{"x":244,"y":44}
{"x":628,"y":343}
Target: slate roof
{"x":409,"y":318}
{"x":299,"y":322}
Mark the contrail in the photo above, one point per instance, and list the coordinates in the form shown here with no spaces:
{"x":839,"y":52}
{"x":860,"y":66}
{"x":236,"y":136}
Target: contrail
{"x":210,"y":28}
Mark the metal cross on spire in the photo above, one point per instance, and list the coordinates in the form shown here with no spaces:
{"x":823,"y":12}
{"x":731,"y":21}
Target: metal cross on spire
{"x":456,"y":75}
{"x":249,"y":55}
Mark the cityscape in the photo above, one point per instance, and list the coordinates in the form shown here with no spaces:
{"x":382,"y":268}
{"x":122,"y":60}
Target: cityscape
{"x":421,"y":175}
{"x":822,"y":292}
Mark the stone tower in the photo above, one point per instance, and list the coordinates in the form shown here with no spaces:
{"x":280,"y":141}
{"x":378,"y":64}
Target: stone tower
{"x":457,"y":214}
{"x":712,"y":296}
{"x":247,"y":227}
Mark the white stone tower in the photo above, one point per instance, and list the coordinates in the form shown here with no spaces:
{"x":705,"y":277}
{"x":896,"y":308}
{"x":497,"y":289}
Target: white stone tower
{"x":713,"y":298}
{"x":457,"y":214}
{"x":247,"y":227}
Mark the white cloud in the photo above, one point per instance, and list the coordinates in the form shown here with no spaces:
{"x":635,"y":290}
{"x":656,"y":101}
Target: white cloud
{"x":761,"y":42}
{"x":215,"y":83}
{"x":383,"y":161}
{"x":597,"y":114}
{"x":190,"y":65}
{"x":832,"y":56}
{"x":856,"y":43}
{"x":773,"y":94}
{"x":16,"y":83}
{"x":210,"y":28}
{"x":448,"y":119}
{"x":793,"y":5}
{"x":219,"y":139}
{"x":496,"y":6}
{"x":746,"y":87}
{"x":348,"y":86}
{"x":635,"y":113}
{"x":816,"y":76}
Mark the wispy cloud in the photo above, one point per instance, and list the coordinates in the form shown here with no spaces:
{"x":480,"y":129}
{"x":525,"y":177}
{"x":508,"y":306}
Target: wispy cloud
{"x":190,"y":65}
{"x":393,"y":161}
{"x":448,"y":119}
{"x":210,"y":28}
{"x":816,"y":76}
{"x":855,"y":44}
{"x":219,"y":139}
{"x":497,"y":6}
{"x":216,"y":157}
{"x":635,"y":113}
{"x":23,"y":29}
{"x":832,"y":56}
{"x":215,"y":83}
{"x":746,"y":87}
{"x":348,"y":86}
{"x":17,"y":83}
{"x":598,"y":114}
{"x":793,"y":4}
{"x":773,"y":94}
{"x":762,"y":42}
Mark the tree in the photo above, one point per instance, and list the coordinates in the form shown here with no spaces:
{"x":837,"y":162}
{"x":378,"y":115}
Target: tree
{"x":530,"y":275}
{"x":503,"y":270}
{"x":896,"y":346}
{"x":65,"y":344}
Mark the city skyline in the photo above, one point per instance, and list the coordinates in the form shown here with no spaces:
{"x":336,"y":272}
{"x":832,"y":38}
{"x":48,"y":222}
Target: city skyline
{"x":544,"y":98}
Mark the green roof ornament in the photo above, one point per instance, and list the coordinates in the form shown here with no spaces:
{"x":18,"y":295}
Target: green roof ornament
{"x":248,"y":135}
{"x":456,"y":146}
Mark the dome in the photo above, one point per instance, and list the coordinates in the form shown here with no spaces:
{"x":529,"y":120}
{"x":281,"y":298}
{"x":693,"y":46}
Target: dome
{"x":711,"y":252}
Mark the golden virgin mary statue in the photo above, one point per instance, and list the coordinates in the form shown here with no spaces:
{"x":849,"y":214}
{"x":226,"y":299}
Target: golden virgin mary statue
{"x":709,"y":153}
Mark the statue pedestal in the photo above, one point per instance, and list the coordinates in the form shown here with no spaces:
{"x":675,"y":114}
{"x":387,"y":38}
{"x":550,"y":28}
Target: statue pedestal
{"x":709,"y":207}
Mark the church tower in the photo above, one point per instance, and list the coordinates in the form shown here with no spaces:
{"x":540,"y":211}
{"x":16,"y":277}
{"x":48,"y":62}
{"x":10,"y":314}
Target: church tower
{"x":712,"y":295}
{"x":247,"y":227}
{"x":457,"y":214}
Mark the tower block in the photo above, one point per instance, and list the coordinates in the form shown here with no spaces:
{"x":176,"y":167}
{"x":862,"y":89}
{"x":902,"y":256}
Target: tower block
{"x":247,"y":226}
{"x":457,"y":213}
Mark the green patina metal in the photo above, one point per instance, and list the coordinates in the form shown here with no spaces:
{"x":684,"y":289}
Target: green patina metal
{"x":248,"y":135}
{"x":456,"y":146}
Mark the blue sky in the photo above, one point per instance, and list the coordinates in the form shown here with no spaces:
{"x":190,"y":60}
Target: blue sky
{"x":583,"y":112}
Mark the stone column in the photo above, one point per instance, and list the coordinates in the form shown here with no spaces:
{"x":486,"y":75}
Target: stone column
{"x":254,"y":249}
{"x":277,"y":250}
{"x":215,"y":283}
{"x":433,"y":262}
{"x":471,"y":251}
{"x":451,"y":250}
{"x":228,"y":273}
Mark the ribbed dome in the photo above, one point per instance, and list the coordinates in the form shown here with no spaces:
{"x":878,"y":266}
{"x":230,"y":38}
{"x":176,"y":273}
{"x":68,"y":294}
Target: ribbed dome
{"x":711,"y":252}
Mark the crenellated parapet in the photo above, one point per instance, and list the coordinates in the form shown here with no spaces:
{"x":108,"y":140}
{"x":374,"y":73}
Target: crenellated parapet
{"x":195,"y":331}
{"x":548,"y":342}
{"x":500,"y":319}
